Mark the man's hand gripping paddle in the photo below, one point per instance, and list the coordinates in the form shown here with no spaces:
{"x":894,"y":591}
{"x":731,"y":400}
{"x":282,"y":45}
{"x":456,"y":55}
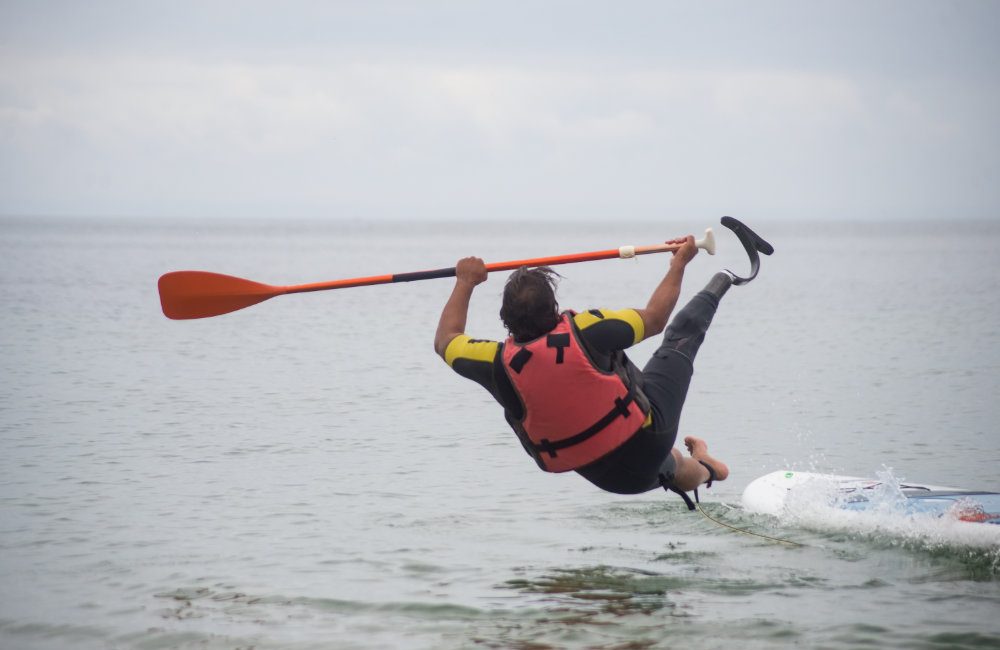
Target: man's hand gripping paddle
{"x":201,"y":294}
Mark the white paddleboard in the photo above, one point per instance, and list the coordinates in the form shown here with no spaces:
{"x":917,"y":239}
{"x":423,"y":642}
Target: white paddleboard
{"x":773,"y":493}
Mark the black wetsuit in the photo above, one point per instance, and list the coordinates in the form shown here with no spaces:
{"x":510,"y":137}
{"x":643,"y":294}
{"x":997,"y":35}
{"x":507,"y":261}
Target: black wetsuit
{"x":644,"y":461}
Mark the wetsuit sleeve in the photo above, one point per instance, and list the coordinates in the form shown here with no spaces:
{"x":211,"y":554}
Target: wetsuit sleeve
{"x":606,"y":331}
{"x":473,"y":359}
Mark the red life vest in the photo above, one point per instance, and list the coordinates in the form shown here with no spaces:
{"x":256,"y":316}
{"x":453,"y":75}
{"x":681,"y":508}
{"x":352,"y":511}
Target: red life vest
{"x":574,"y":412}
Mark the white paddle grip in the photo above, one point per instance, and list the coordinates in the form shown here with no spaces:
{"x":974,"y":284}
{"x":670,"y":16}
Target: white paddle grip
{"x":707,"y":242}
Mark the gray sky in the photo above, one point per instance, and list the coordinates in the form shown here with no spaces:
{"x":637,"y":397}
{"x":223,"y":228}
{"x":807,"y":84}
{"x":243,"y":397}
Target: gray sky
{"x":475,"y":110}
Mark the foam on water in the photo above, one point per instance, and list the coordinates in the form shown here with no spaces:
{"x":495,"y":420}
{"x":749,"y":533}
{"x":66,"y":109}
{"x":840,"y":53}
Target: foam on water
{"x":818,"y":504}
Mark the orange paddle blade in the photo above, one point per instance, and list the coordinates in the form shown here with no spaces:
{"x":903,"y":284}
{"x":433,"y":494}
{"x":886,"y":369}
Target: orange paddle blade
{"x":200,"y":294}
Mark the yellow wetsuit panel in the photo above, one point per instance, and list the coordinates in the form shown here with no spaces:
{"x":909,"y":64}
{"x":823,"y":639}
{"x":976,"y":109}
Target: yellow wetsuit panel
{"x":611,"y":330}
{"x":466,"y":347}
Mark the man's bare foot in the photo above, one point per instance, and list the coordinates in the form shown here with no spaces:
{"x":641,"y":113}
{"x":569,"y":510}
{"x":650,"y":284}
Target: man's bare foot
{"x":698,"y":449}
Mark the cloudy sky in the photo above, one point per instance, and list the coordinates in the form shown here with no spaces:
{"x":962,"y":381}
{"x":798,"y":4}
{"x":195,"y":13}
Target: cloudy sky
{"x":483,"y":110}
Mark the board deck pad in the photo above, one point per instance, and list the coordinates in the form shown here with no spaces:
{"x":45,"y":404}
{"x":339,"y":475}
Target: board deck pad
{"x":774,"y":492}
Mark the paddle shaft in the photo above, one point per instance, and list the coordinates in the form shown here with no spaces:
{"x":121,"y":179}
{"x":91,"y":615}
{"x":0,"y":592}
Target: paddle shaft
{"x":623,"y":252}
{"x":201,"y":294}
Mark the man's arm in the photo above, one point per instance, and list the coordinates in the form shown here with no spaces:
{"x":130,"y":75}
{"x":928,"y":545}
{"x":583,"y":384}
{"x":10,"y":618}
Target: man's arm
{"x":664,"y":298}
{"x":469,"y":272}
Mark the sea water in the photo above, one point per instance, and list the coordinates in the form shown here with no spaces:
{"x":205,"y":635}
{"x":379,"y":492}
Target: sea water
{"x":306,"y":473}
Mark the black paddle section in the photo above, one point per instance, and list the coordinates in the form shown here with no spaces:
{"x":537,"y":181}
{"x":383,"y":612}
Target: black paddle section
{"x":424,"y":275}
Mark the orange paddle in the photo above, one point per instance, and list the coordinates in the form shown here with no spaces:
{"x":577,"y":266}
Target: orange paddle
{"x":200,"y":294}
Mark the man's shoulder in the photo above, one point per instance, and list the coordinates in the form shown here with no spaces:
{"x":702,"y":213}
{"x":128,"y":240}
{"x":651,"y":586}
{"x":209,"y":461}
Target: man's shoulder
{"x":465,"y":348}
{"x":597,"y":322}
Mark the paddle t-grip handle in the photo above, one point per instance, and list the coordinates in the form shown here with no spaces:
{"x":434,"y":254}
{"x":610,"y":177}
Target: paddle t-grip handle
{"x":707,"y":243}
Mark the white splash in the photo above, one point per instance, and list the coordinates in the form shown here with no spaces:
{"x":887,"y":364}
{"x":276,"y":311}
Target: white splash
{"x":820,"y":503}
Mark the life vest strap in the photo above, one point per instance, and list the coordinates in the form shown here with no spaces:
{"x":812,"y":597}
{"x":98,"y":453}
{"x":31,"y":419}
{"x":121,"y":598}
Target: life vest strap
{"x":620,"y":409}
{"x":519,"y":359}
{"x":560,"y":342}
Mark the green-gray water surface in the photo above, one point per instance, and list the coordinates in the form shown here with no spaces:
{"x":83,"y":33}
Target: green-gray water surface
{"x":306,"y":473}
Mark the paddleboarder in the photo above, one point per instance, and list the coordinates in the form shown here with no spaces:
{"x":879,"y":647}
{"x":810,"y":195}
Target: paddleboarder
{"x":569,"y":391}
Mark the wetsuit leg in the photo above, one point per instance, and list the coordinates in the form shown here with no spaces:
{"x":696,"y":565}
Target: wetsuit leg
{"x":668,"y":373}
{"x":687,"y":329}
{"x":637,"y":465}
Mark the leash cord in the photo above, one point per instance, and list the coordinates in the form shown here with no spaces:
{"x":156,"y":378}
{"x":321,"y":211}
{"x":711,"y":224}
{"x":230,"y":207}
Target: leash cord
{"x":745,"y":531}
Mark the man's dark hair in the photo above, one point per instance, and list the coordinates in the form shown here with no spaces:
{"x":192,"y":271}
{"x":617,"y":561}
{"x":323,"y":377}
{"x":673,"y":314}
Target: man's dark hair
{"x":529,"y":303}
